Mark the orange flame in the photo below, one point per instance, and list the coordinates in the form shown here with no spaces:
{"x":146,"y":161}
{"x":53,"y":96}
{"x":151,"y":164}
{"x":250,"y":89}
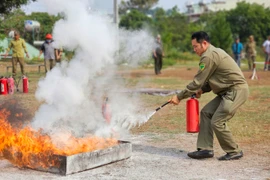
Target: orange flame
{"x":29,"y":148}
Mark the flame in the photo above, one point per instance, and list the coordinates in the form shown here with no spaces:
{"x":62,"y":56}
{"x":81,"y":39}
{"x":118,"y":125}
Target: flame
{"x":30,"y":148}
{"x":18,"y":114}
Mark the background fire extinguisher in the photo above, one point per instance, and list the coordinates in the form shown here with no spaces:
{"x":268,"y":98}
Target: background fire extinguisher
{"x":25,"y":84}
{"x":11,"y":86}
{"x":3,"y":86}
{"x":106,"y":110}
{"x":192,"y":115}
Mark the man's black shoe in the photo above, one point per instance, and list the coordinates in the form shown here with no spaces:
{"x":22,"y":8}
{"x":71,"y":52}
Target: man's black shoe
{"x":201,"y":154}
{"x":231,"y":156}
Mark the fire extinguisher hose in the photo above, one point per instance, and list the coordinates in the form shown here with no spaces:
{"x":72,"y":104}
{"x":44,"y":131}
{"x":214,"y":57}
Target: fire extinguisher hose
{"x":162,"y":105}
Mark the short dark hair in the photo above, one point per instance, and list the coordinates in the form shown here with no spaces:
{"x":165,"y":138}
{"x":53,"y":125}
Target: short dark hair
{"x":200,"y":36}
{"x":16,"y":33}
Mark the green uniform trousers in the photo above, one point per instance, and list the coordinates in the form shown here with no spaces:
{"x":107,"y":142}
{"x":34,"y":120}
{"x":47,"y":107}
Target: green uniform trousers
{"x":214,"y":117}
{"x":251,"y":60}
{"x":15,"y":60}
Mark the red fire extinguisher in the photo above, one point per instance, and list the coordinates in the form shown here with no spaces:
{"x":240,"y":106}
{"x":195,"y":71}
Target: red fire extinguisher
{"x":25,"y":84}
{"x":106,"y":110}
{"x":192,"y":115}
{"x":11,"y":86}
{"x":3,"y":88}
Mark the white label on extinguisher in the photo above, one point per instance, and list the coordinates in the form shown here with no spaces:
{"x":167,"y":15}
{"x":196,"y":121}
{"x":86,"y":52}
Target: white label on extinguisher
{"x":2,"y":87}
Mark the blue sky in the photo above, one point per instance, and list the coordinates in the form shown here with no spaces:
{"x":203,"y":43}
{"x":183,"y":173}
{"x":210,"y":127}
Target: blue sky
{"x":106,"y":5}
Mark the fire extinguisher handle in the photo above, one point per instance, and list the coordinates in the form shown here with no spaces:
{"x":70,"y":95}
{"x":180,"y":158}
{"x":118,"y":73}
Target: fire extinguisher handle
{"x":193,"y":95}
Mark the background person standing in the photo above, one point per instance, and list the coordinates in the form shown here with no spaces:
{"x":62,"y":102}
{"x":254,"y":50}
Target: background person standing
{"x":58,"y":55}
{"x":237,"y":48}
{"x":18,"y":47}
{"x":49,"y":52}
{"x":251,"y":52}
{"x":158,"y":55}
{"x":266,"y":50}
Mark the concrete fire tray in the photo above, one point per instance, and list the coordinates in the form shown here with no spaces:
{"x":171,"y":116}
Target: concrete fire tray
{"x":85,"y":161}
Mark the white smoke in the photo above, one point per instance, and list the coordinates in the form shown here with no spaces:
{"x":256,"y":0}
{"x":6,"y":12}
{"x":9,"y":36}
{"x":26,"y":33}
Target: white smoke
{"x":73,"y":92}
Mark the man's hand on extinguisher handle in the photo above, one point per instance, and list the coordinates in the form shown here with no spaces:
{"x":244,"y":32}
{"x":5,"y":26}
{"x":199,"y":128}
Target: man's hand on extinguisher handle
{"x":174,"y":100}
{"x":199,"y":93}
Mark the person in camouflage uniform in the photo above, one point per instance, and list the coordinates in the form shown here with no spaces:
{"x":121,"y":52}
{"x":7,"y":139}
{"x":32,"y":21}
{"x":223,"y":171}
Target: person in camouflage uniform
{"x":251,"y":52}
{"x":219,"y":73}
{"x":158,"y":55}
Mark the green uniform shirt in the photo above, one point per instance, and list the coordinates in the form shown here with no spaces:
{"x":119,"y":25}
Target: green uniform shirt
{"x":218,"y":72}
{"x":18,"y":48}
{"x":251,"y":48}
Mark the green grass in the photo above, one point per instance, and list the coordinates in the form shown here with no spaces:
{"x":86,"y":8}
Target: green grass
{"x":250,"y":124}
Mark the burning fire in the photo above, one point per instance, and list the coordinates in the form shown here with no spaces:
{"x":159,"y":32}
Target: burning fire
{"x":29,"y":148}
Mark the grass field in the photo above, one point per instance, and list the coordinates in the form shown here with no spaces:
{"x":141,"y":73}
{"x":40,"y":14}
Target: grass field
{"x":251,"y":124}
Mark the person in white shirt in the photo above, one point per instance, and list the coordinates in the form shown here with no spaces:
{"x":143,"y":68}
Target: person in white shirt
{"x":266,"y":50}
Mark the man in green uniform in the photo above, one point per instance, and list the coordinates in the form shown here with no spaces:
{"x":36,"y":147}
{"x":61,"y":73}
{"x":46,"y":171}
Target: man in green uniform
{"x":18,"y":49}
{"x":251,"y":52}
{"x":219,"y":73}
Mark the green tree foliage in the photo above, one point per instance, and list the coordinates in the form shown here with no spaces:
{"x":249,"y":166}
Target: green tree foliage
{"x":249,"y":19}
{"x":15,"y":21}
{"x":219,"y":30}
{"x":140,"y":5}
{"x":2,"y":36}
{"x":174,"y":28}
{"x":46,"y":22}
{"x":7,"y":5}
{"x":134,"y":20}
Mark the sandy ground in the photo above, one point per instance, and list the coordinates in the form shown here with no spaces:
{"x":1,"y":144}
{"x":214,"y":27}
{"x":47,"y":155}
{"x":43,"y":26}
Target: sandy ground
{"x":161,"y":156}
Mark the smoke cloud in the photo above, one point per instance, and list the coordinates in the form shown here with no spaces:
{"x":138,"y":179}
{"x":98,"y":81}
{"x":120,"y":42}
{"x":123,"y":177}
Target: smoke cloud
{"x":73,"y":92}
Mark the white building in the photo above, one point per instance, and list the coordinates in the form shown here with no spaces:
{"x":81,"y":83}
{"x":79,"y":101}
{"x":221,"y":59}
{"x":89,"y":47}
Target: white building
{"x":195,"y":10}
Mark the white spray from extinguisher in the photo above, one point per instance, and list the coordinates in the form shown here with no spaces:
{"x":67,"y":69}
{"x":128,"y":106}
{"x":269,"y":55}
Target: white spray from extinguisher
{"x":144,"y":119}
{"x":72,"y":92}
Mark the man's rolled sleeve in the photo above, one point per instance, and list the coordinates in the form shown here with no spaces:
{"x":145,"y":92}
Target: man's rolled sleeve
{"x":9,"y":47}
{"x":206,"y":88}
{"x":207,"y":67}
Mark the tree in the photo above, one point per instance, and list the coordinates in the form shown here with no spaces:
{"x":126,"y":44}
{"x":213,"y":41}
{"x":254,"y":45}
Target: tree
{"x":7,"y":5}
{"x":219,"y":30}
{"x":46,"y":22}
{"x":140,"y":5}
{"x":15,"y":21}
{"x":250,"y":19}
{"x":134,"y":20}
{"x":174,"y":29}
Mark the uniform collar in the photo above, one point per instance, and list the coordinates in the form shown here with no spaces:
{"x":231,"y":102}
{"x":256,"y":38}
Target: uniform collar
{"x":209,"y":47}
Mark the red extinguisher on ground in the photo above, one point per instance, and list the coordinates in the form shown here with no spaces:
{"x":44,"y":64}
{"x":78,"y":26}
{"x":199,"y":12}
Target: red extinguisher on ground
{"x":25,"y":84}
{"x":11,"y":86}
{"x":192,"y":115}
{"x":3,"y":86}
{"x":106,"y":111}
